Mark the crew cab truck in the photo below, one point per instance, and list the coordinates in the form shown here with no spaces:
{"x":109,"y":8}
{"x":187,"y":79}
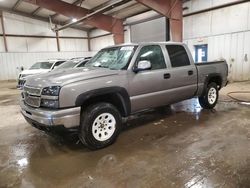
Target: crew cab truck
{"x":119,"y":81}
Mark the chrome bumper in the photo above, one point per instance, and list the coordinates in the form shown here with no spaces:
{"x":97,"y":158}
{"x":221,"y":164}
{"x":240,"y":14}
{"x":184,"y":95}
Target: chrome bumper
{"x":69,"y":117}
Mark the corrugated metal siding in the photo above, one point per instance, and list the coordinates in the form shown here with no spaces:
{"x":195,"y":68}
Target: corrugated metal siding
{"x":25,"y":51}
{"x":11,"y":62}
{"x":227,"y":33}
{"x":20,"y":25}
{"x":235,"y":48}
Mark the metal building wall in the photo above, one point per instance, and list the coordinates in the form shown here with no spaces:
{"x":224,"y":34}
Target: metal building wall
{"x":12,"y":61}
{"x":24,"y":51}
{"x":100,"y":39}
{"x":225,"y":30}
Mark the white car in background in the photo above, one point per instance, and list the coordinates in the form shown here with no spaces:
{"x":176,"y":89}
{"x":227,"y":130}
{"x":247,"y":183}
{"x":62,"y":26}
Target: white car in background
{"x":38,"y":68}
{"x":73,"y":63}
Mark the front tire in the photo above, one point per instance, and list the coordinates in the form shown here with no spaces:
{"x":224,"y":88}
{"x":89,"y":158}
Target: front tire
{"x":209,"y":100}
{"x":100,"y":125}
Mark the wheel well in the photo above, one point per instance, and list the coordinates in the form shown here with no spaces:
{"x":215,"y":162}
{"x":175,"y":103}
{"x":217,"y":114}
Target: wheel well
{"x":216,"y":79}
{"x":112,"y":98}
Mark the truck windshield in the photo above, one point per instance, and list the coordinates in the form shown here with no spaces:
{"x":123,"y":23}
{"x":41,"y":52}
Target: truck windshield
{"x":41,"y":65}
{"x":113,"y":58}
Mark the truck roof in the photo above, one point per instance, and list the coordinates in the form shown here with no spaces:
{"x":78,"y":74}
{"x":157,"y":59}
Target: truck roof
{"x":144,"y":43}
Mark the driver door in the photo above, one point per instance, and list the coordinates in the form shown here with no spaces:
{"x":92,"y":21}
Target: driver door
{"x":146,"y":87}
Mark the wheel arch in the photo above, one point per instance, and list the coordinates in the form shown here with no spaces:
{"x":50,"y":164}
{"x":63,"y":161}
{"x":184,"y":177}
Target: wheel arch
{"x":213,"y":77}
{"x":117,"y":96}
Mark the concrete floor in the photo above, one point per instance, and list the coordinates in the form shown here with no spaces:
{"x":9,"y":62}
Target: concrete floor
{"x":184,"y":146}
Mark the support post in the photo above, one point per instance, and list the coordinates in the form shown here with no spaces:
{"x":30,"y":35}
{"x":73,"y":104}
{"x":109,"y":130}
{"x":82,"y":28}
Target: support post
{"x":57,"y":40}
{"x":172,"y":9}
{"x":89,"y":45}
{"x":176,"y":20}
{"x":3,"y":30}
{"x":118,"y":31}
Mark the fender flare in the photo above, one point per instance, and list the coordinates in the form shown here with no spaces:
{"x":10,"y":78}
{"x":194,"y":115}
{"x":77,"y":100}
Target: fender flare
{"x":119,"y":92}
{"x":209,"y":77}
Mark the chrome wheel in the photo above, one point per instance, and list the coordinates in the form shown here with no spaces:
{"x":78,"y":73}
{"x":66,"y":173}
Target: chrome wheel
{"x":212,"y":95}
{"x":104,"y":126}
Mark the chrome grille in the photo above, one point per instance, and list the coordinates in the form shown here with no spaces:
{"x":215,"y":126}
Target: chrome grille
{"x":32,"y":90}
{"x":21,"y":83}
{"x":32,"y":100}
{"x":32,"y":96}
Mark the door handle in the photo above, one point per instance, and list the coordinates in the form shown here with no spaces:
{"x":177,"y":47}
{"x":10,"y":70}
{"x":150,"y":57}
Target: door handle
{"x":190,"y":72}
{"x":166,"y":76}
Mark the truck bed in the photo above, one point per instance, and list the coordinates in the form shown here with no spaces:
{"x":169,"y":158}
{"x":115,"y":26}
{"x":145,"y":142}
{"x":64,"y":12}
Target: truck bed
{"x":204,"y":69}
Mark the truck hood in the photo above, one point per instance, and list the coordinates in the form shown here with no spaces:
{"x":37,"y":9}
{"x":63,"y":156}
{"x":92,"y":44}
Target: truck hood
{"x":63,"y":77}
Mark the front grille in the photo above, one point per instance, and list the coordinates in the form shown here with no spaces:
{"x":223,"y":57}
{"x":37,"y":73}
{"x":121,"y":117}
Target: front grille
{"x":33,"y":101}
{"x":32,"y":90}
{"x":21,"y":82}
{"x":32,"y":96}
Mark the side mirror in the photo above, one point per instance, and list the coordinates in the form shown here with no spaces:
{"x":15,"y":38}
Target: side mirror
{"x":142,"y":65}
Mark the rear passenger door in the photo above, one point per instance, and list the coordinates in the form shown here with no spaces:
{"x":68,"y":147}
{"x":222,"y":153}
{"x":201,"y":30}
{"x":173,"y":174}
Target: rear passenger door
{"x":146,"y":87}
{"x":182,"y":74}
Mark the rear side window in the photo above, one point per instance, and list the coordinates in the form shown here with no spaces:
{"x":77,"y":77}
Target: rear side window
{"x":178,"y":55}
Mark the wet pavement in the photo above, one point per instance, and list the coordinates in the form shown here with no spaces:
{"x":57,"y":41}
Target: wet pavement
{"x":178,"y":146}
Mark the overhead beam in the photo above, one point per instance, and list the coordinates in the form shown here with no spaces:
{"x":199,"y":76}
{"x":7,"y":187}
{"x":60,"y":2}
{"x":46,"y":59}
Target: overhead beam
{"x":101,"y":21}
{"x":36,"y":10}
{"x":17,"y":4}
{"x":109,"y":2}
{"x":172,"y":9}
{"x":35,"y":17}
{"x":77,"y":2}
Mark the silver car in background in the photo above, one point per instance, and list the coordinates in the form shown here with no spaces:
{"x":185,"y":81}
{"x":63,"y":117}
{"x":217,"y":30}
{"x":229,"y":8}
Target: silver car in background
{"x":39,"y":67}
{"x":74,"y":63}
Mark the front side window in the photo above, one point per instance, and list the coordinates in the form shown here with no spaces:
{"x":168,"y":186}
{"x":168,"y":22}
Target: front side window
{"x":82,"y":64}
{"x":41,"y":65}
{"x":152,"y":53}
{"x":178,"y":55}
{"x":58,"y":63}
{"x":116,"y":58}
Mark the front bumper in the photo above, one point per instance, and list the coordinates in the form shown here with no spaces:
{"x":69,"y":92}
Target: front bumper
{"x":68,"y":118}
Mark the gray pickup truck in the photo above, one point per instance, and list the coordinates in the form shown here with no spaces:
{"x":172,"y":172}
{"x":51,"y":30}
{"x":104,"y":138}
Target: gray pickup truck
{"x":119,"y":81}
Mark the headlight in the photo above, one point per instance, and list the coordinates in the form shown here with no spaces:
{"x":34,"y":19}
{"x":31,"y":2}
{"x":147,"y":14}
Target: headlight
{"x":49,"y":103}
{"x":51,"y":91}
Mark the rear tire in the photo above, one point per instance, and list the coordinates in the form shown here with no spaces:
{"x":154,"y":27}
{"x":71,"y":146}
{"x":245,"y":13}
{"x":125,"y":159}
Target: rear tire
{"x":100,"y":125}
{"x":209,"y":100}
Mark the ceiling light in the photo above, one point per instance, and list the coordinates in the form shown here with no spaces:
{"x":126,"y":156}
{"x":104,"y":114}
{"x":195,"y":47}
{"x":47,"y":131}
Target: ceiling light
{"x":74,"y":20}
